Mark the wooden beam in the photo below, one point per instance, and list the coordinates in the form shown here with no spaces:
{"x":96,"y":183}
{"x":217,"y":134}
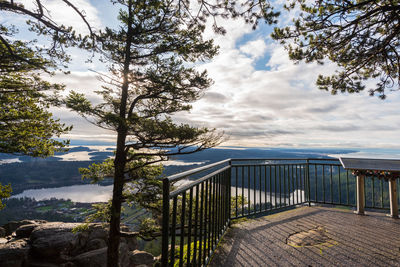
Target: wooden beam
{"x":360,"y":195}
{"x":394,"y":207}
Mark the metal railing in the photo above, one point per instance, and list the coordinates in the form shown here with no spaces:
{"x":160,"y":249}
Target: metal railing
{"x":330,"y":183}
{"x":198,"y":212}
{"x":260,"y":185}
{"x":199,"y":215}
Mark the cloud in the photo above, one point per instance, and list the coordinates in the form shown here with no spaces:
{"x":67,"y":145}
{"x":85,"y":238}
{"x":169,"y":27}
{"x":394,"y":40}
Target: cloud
{"x":214,"y":97}
{"x":321,"y":109}
{"x":86,"y":83}
{"x":255,"y":48}
{"x":286,"y":105}
{"x":338,"y":128}
{"x":62,"y":14}
{"x":280,"y":106}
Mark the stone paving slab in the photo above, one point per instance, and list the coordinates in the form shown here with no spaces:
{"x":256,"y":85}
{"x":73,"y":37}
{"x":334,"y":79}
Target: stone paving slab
{"x":353,"y":240}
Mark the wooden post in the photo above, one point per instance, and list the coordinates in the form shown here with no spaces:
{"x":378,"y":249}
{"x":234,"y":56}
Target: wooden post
{"x":394,"y":208}
{"x":360,"y":195}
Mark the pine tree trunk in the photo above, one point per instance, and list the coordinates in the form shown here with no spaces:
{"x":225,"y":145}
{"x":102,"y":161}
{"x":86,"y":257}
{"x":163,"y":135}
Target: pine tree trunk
{"x":114,"y":237}
{"x":120,"y":156}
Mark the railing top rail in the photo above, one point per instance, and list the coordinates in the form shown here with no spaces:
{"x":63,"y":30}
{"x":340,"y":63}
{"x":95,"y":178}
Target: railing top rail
{"x":251,"y":159}
{"x":324,"y":159}
{"x":287,"y":159}
{"x":182,"y":175}
{"x":272,"y":165}
{"x":196,"y":182}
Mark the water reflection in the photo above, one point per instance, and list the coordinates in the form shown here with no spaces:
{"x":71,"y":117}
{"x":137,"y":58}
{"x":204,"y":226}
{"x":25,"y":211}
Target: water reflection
{"x":87,"y":193}
{"x":90,"y":193}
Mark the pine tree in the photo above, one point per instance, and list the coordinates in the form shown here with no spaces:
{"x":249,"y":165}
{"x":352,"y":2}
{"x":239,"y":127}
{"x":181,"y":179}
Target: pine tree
{"x":149,"y":79}
{"x":361,"y":37}
{"x":26,"y":125}
{"x":151,"y":76}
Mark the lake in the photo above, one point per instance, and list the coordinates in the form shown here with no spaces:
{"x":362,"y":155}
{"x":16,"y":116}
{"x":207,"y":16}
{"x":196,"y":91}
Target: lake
{"x":90,"y":193}
{"x":87,"y":193}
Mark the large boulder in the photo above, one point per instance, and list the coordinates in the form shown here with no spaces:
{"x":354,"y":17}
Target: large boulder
{"x":14,"y":253}
{"x":98,"y":231}
{"x":52,"y":240}
{"x":98,"y":257}
{"x":14,"y":225}
{"x":94,"y":258}
{"x":131,"y":242}
{"x":25,"y":231}
{"x":138,"y":257}
{"x":95,"y":244}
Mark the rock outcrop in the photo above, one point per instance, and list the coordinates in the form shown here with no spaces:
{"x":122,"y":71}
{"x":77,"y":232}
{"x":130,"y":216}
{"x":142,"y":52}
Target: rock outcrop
{"x":141,"y":258}
{"x":2,"y":232}
{"x":14,"y":253}
{"x":41,"y":243}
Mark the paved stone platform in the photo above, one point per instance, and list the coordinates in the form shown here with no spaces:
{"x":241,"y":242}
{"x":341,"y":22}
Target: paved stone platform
{"x":352,"y":240}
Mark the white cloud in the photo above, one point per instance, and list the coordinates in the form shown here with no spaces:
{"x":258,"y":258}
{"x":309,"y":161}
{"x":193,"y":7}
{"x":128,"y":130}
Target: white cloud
{"x":235,"y":28}
{"x":280,"y":106}
{"x":86,"y":83}
{"x":63,"y":14}
{"x":254,"y":48}
{"x":283,"y":107}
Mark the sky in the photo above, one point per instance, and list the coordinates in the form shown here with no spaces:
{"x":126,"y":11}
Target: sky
{"x":259,"y":97}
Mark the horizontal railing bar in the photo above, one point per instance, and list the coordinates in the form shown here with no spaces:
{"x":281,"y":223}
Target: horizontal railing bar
{"x":252,"y":159}
{"x":325,"y":164}
{"x":297,"y":159}
{"x":270,"y":159}
{"x":324,"y":159}
{"x":180,"y":176}
{"x":275,"y":164}
{"x":196,"y":182}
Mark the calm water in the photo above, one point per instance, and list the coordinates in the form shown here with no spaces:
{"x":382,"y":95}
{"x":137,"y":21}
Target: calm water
{"x":87,"y":193}
{"x":90,"y":193}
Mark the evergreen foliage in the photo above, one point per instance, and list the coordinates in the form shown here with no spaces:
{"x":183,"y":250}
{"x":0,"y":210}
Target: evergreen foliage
{"x":26,"y":125}
{"x":361,"y":37}
{"x":5,"y":192}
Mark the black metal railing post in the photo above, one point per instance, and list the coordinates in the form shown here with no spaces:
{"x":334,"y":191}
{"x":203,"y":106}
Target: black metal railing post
{"x":308,"y":197}
{"x":165,"y":223}
{"x":229,"y":196}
